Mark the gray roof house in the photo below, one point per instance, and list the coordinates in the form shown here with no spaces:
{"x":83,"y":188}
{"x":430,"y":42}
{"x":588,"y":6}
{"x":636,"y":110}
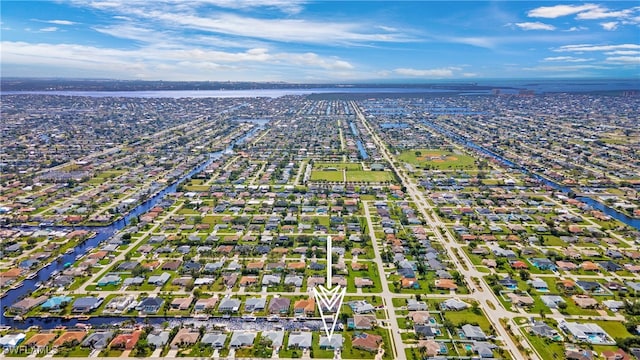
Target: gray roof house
{"x":98,"y":340}
{"x":158,"y":338}
{"x":229,"y":305}
{"x":242,"y":338}
{"x":551,"y":301}
{"x":159,"y":280}
{"x":454,"y":304}
{"x":86,"y":304}
{"x":414,"y":305}
{"x":301,"y":340}
{"x":150,"y":305}
{"x":334,"y":342}
{"x":255,"y":304}
{"x":294,"y":280}
{"x":215,"y":339}
{"x":276,"y":337}
{"x":539,"y":328}
{"x":473,"y":332}
{"x":269,"y":280}
{"x":484,"y":349}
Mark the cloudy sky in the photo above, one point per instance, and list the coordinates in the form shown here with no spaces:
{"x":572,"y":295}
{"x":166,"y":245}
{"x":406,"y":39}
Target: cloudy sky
{"x":319,"y":41}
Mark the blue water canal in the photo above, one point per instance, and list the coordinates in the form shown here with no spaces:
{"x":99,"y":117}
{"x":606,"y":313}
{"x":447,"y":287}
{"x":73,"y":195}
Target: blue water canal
{"x":635,"y":223}
{"x":102,"y":233}
{"x":361,"y":149}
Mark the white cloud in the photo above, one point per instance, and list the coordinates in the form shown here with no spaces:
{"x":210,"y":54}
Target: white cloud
{"x":623,"y":52}
{"x":437,"y":73}
{"x":564,"y":68}
{"x":535,"y":26}
{"x":609,"y":26}
{"x":147,"y":60}
{"x":577,"y":28}
{"x":284,"y":30}
{"x":49,"y":29}
{"x":588,"y":12}
{"x":552,"y":12}
{"x":635,"y":60}
{"x":180,"y":15}
{"x":565,"y":59}
{"x":61,"y":22}
{"x":589,"y":47}
{"x":603,"y":13}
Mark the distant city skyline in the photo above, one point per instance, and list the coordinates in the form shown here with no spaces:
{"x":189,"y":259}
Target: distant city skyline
{"x":325,"y":41}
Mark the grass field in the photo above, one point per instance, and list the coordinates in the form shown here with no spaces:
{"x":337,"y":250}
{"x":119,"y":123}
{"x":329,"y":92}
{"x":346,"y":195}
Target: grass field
{"x":327,"y":175}
{"x":337,"y":165}
{"x":369,"y":176}
{"x":437,"y":159}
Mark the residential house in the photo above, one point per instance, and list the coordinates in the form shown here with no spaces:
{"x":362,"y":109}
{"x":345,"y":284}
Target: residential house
{"x":414,"y":305}
{"x":551,"y":301}
{"x":28,"y":303}
{"x":361,"y":322}
{"x":454,"y":304}
{"x":588,"y":332}
{"x":158,"y":338}
{"x":473,"y":332}
{"x":295,"y":280}
{"x":150,"y":305}
{"x":185,"y":338}
{"x":159,"y":280}
{"x":424,"y":331}
{"x":276,"y":337}
{"x":205,"y":304}
{"x":541,"y":329}
{"x":229,"y":305}
{"x":98,"y":339}
{"x":215,"y":339}
{"x":304,"y":307}
{"x":86,"y":304}
{"x":182,"y":303}
{"x":446,"y":284}
{"x":299,"y":340}
{"x":242,"y":339}
{"x":126,"y":341}
{"x":367,"y":342}
{"x":255,"y":304}
{"x":279,"y":305}
{"x":334,"y":342}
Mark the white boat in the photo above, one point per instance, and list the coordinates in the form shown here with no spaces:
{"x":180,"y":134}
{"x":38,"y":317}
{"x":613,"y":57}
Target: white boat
{"x":201,"y":317}
{"x":32,"y":275}
{"x":248,"y":318}
{"x":273,"y":318}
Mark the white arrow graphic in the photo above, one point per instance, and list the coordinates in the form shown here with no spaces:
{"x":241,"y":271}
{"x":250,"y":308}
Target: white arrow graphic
{"x":329,"y":299}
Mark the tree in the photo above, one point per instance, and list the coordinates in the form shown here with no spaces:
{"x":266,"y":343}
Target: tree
{"x":524,"y":275}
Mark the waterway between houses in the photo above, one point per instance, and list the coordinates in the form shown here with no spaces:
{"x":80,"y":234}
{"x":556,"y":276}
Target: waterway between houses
{"x":635,"y":223}
{"x":102,"y":233}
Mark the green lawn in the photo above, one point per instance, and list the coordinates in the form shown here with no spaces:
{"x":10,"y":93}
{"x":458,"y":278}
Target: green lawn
{"x":369,"y":176}
{"x":437,"y":159}
{"x":317,"y":175}
{"x":467,"y":316}
{"x":337,"y":165}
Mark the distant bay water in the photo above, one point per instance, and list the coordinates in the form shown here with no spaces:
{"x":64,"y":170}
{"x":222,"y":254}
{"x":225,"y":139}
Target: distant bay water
{"x":484,"y":88}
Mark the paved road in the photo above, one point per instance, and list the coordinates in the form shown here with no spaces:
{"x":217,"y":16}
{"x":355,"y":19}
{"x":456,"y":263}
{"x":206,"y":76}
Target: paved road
{"x":485,"y":296}
{"x":387,"y":296}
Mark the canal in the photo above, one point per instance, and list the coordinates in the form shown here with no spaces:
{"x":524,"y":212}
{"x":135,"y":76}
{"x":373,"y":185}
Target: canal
{"x":102,"y":233}
{"x":635,"y":223}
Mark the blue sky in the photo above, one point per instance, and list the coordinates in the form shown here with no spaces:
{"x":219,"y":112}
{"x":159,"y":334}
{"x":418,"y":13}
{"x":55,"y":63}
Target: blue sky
{"x":320,"y":41}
